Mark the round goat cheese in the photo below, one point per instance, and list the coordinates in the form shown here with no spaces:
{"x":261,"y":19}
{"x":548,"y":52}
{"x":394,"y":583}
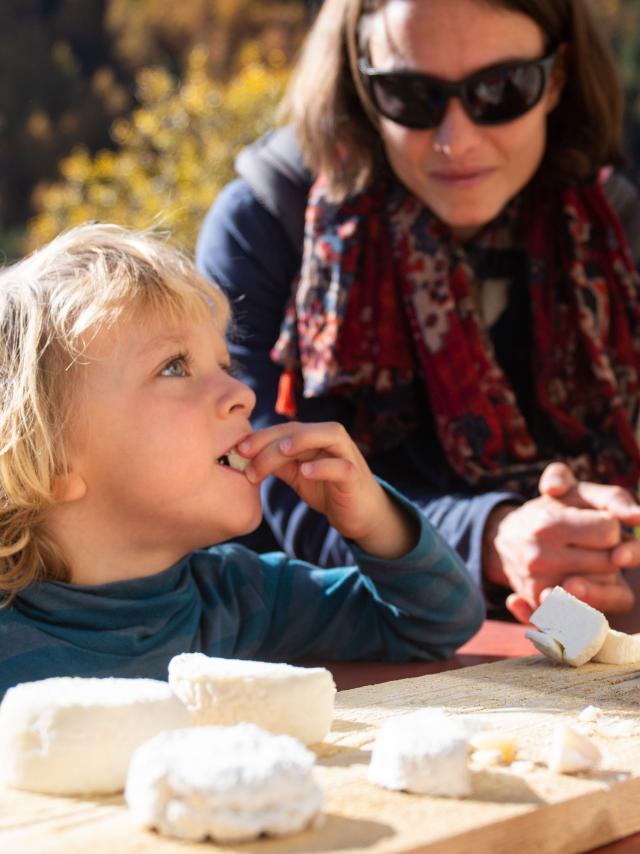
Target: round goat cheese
{"x":225,"y":783}
{"x":75,"y":736}
{"x":281,"y":698}
{"x":424,"y":752}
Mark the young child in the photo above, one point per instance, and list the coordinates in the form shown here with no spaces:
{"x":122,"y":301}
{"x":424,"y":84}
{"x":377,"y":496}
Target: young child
{"x":118,"y":412}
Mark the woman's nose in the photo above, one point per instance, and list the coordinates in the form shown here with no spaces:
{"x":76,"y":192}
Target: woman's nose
{"x":456,"y":134}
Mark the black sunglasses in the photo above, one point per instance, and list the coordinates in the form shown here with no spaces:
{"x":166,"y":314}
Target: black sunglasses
{"x":491,"y":96}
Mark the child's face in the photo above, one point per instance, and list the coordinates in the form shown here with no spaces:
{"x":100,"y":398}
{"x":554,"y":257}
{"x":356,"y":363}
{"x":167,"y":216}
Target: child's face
{"x":155,"y":410}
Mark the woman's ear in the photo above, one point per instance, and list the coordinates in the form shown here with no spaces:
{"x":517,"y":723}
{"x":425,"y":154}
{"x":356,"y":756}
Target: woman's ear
{"x":69,"y":487}
{"x":557,"y":80}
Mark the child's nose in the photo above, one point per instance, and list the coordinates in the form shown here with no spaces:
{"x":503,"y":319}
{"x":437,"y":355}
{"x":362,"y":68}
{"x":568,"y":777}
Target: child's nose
{"x":236,"y":397}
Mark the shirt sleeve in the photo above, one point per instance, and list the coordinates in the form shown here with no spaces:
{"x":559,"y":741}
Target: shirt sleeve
{"x":420,"y":606}
{"x":460,"y":519}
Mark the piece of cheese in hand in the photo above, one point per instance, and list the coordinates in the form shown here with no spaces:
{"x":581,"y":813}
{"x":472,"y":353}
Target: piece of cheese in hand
{"x":237,"y":461}
{"x":227,"y":783}
{"x":570,"y":751}
{"x":619,"y":648}
{"x":576,"y":627}
{"x":281,"y":698}
{"x":424,"y":752}
{"x":75,"y":736}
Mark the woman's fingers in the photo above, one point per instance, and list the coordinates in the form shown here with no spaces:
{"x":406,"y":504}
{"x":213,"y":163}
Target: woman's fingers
{"x":582,"y":527}
{"x":607,"y":593}
{"x":610,"y":595}
{"x":519,"y":607}
{"x":612,"y":499}
{"x":627,"y":554}
{"x":556,"y":480}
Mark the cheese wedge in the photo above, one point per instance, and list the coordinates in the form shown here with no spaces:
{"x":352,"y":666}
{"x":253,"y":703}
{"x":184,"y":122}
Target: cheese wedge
{"x":283,"y":699}
{"x":229,"y":784}
{"x":619,"y":648}
{"x":571,"y":752}
{"x":74,"y":736}
{"x":424,"y":752}
{"x":578,"y":629}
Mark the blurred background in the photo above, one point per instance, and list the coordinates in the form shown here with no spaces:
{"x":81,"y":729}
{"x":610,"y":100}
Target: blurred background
{"x":133,"y":110}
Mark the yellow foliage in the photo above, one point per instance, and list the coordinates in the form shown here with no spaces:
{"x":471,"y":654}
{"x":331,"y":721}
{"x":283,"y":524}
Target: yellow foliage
{"x":175,"y":152}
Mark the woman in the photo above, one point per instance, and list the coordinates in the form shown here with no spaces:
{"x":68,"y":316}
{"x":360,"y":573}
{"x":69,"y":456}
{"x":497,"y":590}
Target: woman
{"x":466,"y":304}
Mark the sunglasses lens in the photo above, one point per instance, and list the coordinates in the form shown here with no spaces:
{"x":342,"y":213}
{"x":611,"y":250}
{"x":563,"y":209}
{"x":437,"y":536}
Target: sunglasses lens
{"x":411,"y":100}
{"x":504,"y":94}
{"x":491,"y":97}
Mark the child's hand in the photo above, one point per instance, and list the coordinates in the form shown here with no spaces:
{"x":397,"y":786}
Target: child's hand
{"x":326,"y":469}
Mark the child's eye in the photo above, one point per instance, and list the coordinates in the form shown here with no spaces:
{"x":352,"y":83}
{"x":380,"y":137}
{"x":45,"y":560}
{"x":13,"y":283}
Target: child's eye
{"x":231,"y":367}
{"x":178,"y":366}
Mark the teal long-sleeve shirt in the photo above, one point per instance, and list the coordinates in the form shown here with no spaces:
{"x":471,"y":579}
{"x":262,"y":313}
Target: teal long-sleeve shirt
{"x":231,"y":602}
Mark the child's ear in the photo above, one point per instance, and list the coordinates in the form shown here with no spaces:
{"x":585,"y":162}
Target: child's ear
{"x":69,"y":487}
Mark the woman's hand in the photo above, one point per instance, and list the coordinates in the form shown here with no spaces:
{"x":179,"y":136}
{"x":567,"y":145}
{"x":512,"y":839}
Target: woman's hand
{"x":570,"y":535}
{"x":324,"y":466}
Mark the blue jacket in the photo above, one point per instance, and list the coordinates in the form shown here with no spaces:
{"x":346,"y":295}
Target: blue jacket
{"x":251,"y":244}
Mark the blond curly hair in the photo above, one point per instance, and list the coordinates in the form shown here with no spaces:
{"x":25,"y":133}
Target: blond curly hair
{"x":51,"y":304}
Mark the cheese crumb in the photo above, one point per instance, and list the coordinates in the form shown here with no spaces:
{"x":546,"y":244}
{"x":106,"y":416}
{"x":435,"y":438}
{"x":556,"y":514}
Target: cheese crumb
{"x":505,"y":746}
{"x":570,"y":751}
{"x":590,"y":714}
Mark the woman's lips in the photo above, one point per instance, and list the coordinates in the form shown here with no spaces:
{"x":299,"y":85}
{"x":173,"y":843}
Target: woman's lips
{"x":460,"y":177}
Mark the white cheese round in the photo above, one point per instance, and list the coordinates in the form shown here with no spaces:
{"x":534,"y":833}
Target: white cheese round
{"x":283,"y":699}
{"x":225,"y":783}
{"x":423,"y":752}
{"x":75,"y":736}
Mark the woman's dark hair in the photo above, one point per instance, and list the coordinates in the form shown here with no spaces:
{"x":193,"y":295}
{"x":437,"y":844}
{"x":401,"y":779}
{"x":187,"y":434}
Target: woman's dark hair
{"x":337,"y":125}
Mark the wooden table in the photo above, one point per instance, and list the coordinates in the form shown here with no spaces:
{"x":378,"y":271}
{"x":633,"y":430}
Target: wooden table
{"x":496,"y":640}
{"x":565,"y":814}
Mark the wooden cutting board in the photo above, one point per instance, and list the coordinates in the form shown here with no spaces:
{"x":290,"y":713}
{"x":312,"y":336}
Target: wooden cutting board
{"x":533,"y":811}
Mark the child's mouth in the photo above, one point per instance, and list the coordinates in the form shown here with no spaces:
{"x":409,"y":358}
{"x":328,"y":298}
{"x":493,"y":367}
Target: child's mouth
{"x":232,"y":459}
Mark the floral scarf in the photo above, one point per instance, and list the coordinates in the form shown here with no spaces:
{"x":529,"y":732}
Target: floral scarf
{"x":385,"y":300}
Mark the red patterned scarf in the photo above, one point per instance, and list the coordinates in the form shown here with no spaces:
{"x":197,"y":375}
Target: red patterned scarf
{"x":385,"y":300}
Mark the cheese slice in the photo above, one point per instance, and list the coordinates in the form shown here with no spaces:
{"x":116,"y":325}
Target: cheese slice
{"x":619,"y":648}
{"x":74,"y":736}
{"x":546,"y":645}
{"x":281,"y":698}
{"x":576,"y":627}
{"x":424,"y":752}
{"x":229,"y":784}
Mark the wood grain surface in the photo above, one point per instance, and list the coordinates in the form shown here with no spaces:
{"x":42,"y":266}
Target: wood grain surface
{"x":508,"y":812}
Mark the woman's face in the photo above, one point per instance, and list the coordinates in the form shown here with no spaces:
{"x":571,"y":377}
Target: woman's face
{"x":481,"y":167}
